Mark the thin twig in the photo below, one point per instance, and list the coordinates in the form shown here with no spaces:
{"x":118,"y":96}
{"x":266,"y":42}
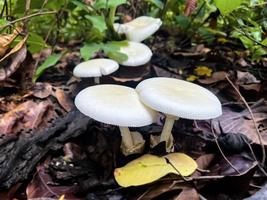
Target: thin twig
{"x":253,"y":119}
{"x":255,"y":158}
{"x":3,"y":9}
{"x":184,"y":178}
{"x":26,"y":13}
{"x":28,"y":16}
{"x":244,"y":33}
{"x":44,"y":4}
{"x":223,"y":155}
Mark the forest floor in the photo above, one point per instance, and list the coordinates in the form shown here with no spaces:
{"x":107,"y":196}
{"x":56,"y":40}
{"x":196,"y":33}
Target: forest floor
{"x":49,"y":149}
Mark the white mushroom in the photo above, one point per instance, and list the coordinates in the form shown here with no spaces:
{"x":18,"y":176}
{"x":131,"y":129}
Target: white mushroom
{"x":96,"y":68}
{"x":176,"y":98}
{"x":117,"y":105}
{"x":138,"y":54}
{"x":140,"y":28}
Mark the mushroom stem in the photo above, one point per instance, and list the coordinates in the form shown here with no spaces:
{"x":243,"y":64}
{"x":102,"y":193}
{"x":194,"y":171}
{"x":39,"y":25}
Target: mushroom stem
{"x":127,"y":138}
{"x":167,"y":129}
{"x":97,"y":80}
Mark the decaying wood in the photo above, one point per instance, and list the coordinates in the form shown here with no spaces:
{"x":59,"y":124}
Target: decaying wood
{"x":19,"y":154}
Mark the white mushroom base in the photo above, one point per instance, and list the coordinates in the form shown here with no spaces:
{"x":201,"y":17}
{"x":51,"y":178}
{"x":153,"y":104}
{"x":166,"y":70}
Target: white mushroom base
{"x":133,"y":146}
{"x":155,"y":140}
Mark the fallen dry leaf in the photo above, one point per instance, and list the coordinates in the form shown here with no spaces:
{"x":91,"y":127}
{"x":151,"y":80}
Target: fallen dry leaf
{"x":244,"y":78}
{"x":188,"y":193}
{"x":63,"y":99}
{"x":164,"y":73}
{"x":157,"y":191}
{"x":248,"y":81}
{"x":6,"y":40}
{"x":42,"y":90}
{"x":27,"y":115}
{"x":233,"y":120}
{"x":203,"y":163}
{"x":16,"y":60}
{"x":262,"y":193}
{"x":241,"y":162}
{"x":15,"y":49}
{"x":12,"y":61}
{"x":42,"y":187}
{"x":215,"y":77}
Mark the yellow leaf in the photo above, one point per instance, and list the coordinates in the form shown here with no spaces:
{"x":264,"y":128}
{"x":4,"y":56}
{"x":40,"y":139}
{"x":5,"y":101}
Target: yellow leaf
{"x":184,"y":164}
{"x":143,"y":170}
{"x":203,"y":71}
{"x":192,"y":78}
{"x":222,"y":40}
{"x":150,"y":168}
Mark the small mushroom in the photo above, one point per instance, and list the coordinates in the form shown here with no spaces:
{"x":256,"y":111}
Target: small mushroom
{"x":117,"y":105}
{"x":139,"y":29}
{"x":138,"y":54}
{"x":95,"y":68}
{"x":177,"y":98}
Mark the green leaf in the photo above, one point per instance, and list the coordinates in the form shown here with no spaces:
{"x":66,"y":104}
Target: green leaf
{"x":20,"y":6}
{"x":98,"y":22}
{"x":115,"y":3}
{"x":116,"y":55}
{"x":264,"y":42}
{"x":3,"y":22}
{"x":157,"y":3}
{"x":35,"y":43}
{"x":49,"y":62}
{"x":56,"y":5}
{"x":112,"y":50}
{"x":89,"y":49}
{"x":105,"y":4}
{"x":182,"y":22}
{"x":227,"y":6}
{"x":80,"y":5}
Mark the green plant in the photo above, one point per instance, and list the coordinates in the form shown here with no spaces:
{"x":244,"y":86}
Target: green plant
{"x":50,"y":22}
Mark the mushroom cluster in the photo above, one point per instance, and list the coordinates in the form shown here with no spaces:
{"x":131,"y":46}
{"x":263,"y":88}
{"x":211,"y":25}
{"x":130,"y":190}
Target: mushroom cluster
{"x":120,"y":105}
{"x":137,"y":53}
{"x":127,"y":107}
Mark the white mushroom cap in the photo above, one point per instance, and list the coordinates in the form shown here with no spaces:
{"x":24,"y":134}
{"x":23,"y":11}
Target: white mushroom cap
{"x":96,"y":68}
{"x":140,"y":28}
{"x":114,"y":104}
{"x":179,"y":98}
{"x":138,"y":54}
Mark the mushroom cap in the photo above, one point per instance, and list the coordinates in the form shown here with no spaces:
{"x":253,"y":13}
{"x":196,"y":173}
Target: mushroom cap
{"x":141,"y":28}
{"x":179,"y":98}
{"x":138,"y":54}
{"x":114,"y":104}
{"x":96,"y":68}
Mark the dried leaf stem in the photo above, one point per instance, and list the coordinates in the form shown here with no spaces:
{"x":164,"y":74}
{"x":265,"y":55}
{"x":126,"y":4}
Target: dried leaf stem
{"x":223,"y":155}
{"x":27,"y":17}
{"x":253,"y":119}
